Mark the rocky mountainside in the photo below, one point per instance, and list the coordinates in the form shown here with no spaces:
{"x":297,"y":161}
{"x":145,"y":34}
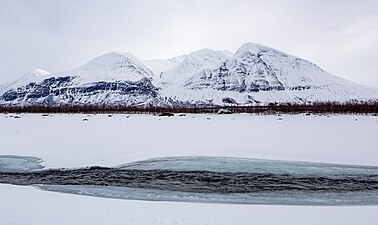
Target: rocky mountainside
{"x":259,"y":74}
{"x":255,"y":74}
{"x":114,"y":78}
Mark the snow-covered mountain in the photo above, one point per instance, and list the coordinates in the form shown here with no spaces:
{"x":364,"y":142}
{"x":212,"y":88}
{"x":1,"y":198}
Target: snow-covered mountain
{"x":36,"y":75}
{"x":194,"y":63}
{"x":160,"y":66}
{"x":116,"y":66}
{"x":33,"y":76}
{"x":255,"y":74}
{"x":114,"y":78}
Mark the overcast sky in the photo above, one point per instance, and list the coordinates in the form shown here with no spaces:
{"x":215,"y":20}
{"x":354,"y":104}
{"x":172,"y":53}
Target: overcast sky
{"x":341,"y":36}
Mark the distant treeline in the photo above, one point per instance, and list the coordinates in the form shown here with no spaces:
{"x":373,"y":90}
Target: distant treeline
{"x":317,"y":108}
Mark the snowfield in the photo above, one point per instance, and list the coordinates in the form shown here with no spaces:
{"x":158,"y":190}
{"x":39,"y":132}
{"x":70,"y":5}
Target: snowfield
{"x":30,"y":206}
{"x":68,"y":141}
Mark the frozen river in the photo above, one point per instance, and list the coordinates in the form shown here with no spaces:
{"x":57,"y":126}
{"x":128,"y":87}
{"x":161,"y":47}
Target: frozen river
{"x":207,"y":179}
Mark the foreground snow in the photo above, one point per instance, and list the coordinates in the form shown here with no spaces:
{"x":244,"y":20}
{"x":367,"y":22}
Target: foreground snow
{"x":27,"y":205}
{"x":68,"y":141}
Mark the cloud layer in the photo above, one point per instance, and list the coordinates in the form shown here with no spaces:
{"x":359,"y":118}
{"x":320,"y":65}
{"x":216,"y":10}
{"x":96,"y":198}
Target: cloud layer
{"x":340,"y":36}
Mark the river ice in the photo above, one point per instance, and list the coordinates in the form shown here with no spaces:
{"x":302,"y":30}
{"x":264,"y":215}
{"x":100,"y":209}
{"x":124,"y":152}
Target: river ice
{"x":13,"y":163}
{"x":208,"y":179}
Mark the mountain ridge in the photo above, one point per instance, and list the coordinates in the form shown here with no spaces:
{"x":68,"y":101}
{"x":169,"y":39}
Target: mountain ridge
{"x":255,"y":74}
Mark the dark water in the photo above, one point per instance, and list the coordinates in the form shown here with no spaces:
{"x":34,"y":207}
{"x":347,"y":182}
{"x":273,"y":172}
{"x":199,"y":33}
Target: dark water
{"x":194,"y":181}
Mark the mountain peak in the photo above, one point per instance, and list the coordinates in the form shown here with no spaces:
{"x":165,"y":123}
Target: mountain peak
{"x":39,"y":72}
{"x":111,"y":59}
{"x":111,"y":67}
{"x":33,"y":76}
{"x":195,"y":62}
{"x":256,"y":48}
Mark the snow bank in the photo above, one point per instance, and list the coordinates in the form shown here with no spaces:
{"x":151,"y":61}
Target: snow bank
{"x":27,"y":205}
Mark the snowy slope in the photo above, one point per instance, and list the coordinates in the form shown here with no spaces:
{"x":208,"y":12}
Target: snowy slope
{"x":194,"y":63}
{"x":258,"y":73}
{"x":115,"y":66}
{"x":33,"y":76}
{"x":258,"y":68}
{"x":2,"y":88}
{"x":159,"y":66}
{"x":255,"y":74}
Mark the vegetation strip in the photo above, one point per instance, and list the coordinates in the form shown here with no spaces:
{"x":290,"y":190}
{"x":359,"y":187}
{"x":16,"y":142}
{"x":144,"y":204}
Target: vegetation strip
{"x":274,"y":108}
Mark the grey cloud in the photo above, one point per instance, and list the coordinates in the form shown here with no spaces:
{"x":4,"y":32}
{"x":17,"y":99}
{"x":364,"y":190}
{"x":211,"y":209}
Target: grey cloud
{"x":340,"y":36}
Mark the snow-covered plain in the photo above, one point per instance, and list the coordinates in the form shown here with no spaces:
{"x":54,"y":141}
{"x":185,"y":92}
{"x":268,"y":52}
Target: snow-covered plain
{"x":68,"y":141}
